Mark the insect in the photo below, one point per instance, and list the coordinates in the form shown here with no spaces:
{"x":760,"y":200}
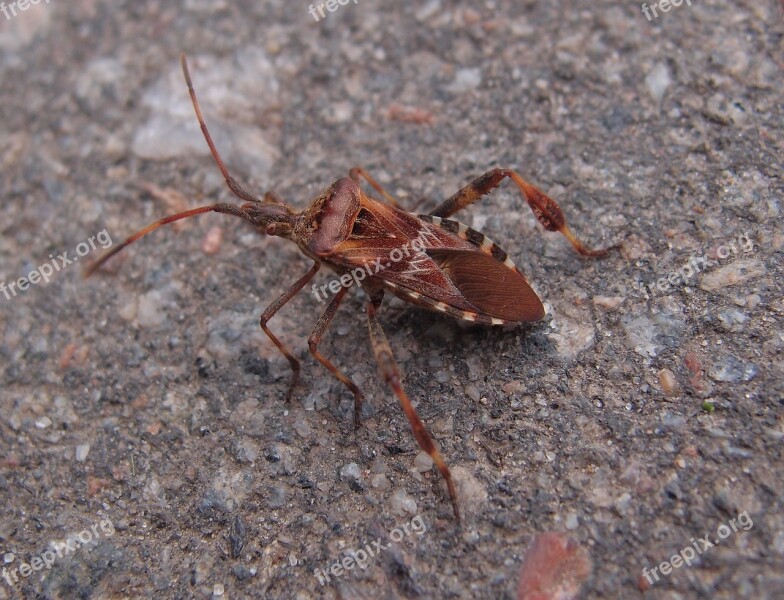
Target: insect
{"x":448,"y":267}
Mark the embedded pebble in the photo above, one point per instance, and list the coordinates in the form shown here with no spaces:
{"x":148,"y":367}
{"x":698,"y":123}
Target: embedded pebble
{"x":277,"y":496}
{"x":472,"y":392}
{"x":351,"y":471}
{"x":466,"y":80}
{"x":402,"y":503}
{"x":641,"y":333}
{"x":734,"y":273}
{"x":302,"y":428}
{"x":658,"y":80}
{"x":82,"y":450}
{"x":380,"y":482}
{"x":733,"y":320}
{"x":470,"y":490}
{"x":150,"y":309}
{"x":730,"y":369}
{"x":608,"y":302}
{"x":212,"y":241}
{"x":423,"y":462}
{"x":667,"y":382}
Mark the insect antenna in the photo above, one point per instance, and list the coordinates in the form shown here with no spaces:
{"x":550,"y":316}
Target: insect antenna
{"x":235,"y":187}
{"x":228,"y":209}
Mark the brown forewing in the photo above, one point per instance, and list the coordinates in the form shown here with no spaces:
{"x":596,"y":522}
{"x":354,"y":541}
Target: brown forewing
{"x":435,"y":263}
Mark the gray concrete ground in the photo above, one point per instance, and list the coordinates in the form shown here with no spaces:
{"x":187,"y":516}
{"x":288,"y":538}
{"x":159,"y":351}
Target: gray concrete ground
{"x":146,"y":449}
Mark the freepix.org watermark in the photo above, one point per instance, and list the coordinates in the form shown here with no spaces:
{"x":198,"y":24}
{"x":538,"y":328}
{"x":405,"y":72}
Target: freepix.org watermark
{"x":45,"y":271}
{"x":696,"y":264}
{"x":58,"y":549}
{"x":330,"y":5}
{"x":408,"y":250}
{"x":362,"y":556}
{"x":11,"y":9}
{"x":687,"y":555}
{"x":662,"y":5}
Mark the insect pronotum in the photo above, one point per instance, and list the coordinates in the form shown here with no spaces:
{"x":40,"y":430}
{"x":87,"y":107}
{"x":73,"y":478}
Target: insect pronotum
{"x":452,"y":269}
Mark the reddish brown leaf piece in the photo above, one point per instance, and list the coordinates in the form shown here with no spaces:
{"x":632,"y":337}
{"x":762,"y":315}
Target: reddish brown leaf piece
{"x":554,"y":568}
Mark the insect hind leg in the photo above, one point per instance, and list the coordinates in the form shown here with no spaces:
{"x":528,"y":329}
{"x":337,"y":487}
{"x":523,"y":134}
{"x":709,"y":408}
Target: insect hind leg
{"x":546,"y":210}
{"x":391,"y":374}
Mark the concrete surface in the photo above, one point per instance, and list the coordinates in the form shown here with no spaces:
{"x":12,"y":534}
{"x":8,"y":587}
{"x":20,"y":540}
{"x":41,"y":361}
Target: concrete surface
{"x":143,"y":414}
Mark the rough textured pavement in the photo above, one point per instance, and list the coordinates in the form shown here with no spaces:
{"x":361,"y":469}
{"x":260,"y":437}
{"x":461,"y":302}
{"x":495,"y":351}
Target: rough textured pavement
{"x":146,"y":449}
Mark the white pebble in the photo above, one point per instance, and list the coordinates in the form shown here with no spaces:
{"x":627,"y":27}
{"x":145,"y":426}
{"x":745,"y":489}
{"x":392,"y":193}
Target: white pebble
{"x":82,"y":450}
{"x":423,"y":462}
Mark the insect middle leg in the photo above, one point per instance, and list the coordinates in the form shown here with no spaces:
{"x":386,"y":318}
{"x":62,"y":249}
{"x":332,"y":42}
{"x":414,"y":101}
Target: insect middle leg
{"x":358,"y":172}
{"x":391,"y":374}
{"x":546,"y":209}
{"x":315,"y":339}
{"x":275,"y":307}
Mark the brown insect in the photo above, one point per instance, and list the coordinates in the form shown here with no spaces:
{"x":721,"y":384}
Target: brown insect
{"x":441,"y":264}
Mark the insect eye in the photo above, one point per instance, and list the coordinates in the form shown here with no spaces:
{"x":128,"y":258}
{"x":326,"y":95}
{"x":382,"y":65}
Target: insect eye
{"x":361,"y":222}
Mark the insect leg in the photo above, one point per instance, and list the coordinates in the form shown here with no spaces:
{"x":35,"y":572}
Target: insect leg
{"x":315,"y":339}
{"x":358,"y":172}
{"x":546,"y":210}
{"x":391,"y":374}
{"x":275,"y":307}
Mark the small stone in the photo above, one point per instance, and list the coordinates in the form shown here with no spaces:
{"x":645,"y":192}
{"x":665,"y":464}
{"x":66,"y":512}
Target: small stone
{"x":43,"y":422}
{"x":608,"y":302}
{"x":403,"y":503}
{"x":513,"y":386}
{"x":737,"y":272}
{"x":350,"y":471}
{"x":277,"y":497}
{"x":212,"y":241}
{"x":427,"y":10}
{"x":466,"y":80}
{"x":129,"y":310}
{"x":472,"y":392}
{"x":571,"y":522}
{"x":658,"y":80}
{"x":150,"y":311}
{"x":217,"y":589}
{"x":667,"y":381}
{"x":641,"y":334}
{"x":380,"y":482}
{"x":8,"y":557}
{"x":302,"y":428}
{"x":471,"y":491}
{"x":82,"y":450}
{"x":730,"y":369}
{"x":733,"y":320}
{"x":423,"y":462}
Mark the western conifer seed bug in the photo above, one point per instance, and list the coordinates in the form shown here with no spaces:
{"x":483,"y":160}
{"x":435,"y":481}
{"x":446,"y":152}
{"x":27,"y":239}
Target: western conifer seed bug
{"x":453,"y":269}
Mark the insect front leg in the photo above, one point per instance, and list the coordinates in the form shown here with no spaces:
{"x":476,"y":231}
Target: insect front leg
{"x":315,"y":339}
{"x":275,"y":307}
{"x":546,"y":209}
{"x":391,"y":374}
